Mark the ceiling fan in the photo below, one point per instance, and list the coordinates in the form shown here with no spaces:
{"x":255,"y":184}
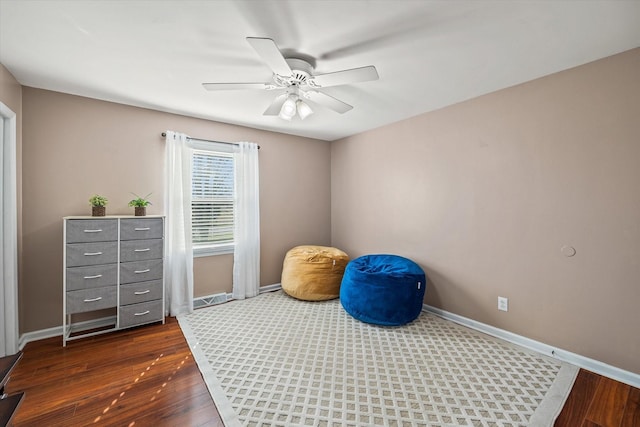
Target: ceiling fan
{"x":294,"y":74}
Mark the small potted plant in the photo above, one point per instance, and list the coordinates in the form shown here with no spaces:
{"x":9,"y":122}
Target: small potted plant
{"x":140,"y":204}
{"x":98,"y":204}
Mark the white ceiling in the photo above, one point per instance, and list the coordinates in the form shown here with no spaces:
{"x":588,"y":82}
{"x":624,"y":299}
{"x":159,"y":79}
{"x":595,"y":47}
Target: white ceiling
{"x":429,"y":54}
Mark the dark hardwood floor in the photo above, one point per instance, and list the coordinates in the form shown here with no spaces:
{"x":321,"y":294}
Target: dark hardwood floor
{"x":139,"y":377}
{"x":147,"y":377}
{"x":597,"y":401}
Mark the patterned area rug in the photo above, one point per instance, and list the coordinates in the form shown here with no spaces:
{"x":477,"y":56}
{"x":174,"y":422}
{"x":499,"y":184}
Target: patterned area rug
{"x":277,"y":361}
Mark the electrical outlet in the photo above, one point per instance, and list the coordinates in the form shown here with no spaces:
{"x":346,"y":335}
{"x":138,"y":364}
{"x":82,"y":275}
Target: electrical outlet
{"x":503,"y":304}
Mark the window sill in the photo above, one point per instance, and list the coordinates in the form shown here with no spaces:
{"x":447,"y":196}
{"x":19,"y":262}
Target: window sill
{"x":203,"y":251}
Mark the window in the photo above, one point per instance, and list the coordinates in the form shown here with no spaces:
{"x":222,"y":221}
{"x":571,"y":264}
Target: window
{"x":212,"y":194}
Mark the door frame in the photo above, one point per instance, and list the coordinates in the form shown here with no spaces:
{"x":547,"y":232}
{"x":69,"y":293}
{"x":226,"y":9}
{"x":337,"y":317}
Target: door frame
{"x":9,"y":330}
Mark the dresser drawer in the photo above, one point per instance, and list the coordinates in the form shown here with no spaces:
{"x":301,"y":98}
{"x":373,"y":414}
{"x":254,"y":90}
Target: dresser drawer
{"x":91,"y":299}
{"x":140,"y":229}
{"x":137,"y":314}
{"x":139,"y":250}
{"x":79,"y":254}
{"x":89,"y":230}
{"x":140,"y":271}
{"x":140,"y":292}
{"x":91,"y":277}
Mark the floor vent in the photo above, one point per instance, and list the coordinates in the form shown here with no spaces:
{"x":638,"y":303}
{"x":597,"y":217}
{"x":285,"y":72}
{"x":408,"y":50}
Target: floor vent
{"x":209,"y":300}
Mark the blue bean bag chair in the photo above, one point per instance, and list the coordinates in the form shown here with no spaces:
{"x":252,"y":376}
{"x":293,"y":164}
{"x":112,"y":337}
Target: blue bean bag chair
{"x":383,"y":289}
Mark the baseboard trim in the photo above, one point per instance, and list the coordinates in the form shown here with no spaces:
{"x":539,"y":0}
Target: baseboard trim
{"x":42,"y":334}
{"x":587,"y":363}
{"x":270,"y":288}
{"x":263,"y":289}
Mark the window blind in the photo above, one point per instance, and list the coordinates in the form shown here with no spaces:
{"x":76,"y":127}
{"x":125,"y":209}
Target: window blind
{"x":212,"y":198}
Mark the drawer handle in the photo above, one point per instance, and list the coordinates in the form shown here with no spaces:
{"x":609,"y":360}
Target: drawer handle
{"x":142,"y":271}
{"x":92,"y":253}
{"x":142,"y":250}
{"x":93,"y":277}
{"x":142,"y":228}
{"x":141,"y":314}
{"x":93,"y":299}
{"x":141,"y":292}
{"x":93,"y":231}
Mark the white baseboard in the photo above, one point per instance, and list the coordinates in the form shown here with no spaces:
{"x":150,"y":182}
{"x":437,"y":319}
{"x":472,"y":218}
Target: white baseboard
{"x":270,"y":288}
{"x":99,"y":323}
{"x":592,"y":365}
{"x":263,"y":289}
{"x":57,"y":331}
{"x":39,"y":335}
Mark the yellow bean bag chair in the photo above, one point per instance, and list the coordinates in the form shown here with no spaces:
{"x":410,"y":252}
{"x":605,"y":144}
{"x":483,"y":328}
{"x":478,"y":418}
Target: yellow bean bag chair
{"x":313,"y":273}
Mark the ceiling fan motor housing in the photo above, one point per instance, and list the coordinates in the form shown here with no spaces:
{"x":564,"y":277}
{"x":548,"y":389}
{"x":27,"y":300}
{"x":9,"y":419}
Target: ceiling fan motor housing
{"x":301,"y":73}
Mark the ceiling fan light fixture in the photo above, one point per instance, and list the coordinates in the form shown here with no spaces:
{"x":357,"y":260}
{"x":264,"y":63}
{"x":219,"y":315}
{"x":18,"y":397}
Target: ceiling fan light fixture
{"x":304,"y":110}
{"x":288,"y":109}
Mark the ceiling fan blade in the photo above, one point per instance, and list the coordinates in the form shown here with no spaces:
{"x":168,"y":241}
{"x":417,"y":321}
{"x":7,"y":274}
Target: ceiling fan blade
{"x":269,"y":52}
{"x":328,"y":101}
{"x":234,"y":86}
{"x":276,"y":106}
{"x":353,"y":75}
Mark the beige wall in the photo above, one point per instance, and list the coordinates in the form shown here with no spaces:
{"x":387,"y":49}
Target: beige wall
{"x":74,"y":147}
{"x":484,"y":194}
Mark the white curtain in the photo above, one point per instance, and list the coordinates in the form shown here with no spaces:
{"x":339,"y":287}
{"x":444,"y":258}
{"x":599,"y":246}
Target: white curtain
{"x":246,"y":256}
{"x":177,"y":207}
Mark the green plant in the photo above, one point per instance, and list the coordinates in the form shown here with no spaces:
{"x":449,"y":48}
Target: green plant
{"x":140,"y":202}
{"x":97,"y":200}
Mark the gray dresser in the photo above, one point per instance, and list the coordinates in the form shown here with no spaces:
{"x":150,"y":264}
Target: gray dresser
{"x":112,"y":262}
